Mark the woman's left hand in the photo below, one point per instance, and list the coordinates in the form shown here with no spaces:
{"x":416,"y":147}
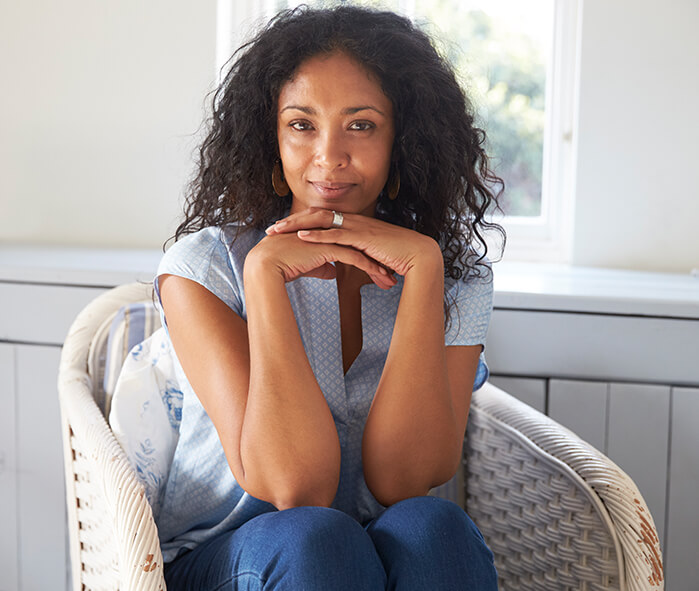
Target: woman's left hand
{"x":396,"y":248}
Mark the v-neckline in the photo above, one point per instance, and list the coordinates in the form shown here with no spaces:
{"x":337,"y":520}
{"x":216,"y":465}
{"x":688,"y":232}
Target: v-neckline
{"x":353,"y":329}
{"x":357,"y":346}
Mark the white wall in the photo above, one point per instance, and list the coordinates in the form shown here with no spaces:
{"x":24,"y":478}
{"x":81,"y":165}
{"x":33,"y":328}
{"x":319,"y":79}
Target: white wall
{"x":98,"y":106}
{"x":637,"y":197}
{"x":100,"y":98}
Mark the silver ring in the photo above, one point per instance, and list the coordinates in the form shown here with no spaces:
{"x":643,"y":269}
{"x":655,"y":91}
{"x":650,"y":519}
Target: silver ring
{"x":338,"y":218}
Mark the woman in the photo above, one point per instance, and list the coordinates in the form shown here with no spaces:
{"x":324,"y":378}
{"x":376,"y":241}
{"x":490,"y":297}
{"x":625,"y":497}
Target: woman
{"x":338,"y":209}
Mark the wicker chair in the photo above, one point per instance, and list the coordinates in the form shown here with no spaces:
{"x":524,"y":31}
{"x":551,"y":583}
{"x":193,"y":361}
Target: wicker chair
{"x":556,"y":512}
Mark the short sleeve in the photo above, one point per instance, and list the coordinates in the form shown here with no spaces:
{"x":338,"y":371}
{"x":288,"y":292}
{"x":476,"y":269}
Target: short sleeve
{"x":471,"y":304}
{"x":205,"y":257}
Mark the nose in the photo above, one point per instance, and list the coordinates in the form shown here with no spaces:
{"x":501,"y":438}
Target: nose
{"x":331,"y":152}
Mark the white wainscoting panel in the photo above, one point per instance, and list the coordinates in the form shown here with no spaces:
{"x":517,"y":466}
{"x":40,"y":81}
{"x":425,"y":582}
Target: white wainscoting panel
{"x":40,"y":313}
{"x":41,"y":490}
{"x":531,"y":391}
{"x":639,"y":426}
{"x":8,"y":471}
{"x":594,"y":347}
{"x":582,"y":407}
{"x":682,"y":549}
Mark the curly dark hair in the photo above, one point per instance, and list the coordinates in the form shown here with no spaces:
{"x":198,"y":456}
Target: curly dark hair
{"x":446,"y":185}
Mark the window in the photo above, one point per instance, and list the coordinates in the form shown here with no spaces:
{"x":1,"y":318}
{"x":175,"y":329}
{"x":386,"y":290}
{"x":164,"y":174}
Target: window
{"x":517,"y":61}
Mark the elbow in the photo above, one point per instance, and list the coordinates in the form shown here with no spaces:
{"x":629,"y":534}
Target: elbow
{"x":292,"y":480}
{"x":305,"y":494}
{"x":392,"y":489}
{"x":287,"y":493}
{"x":393,"y":483}
{"x":293,"y":499}
{"x":388,"y":496}
{"x":390,"y":485}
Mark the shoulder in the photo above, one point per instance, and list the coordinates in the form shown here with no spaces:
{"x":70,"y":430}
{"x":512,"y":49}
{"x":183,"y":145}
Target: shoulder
{"x":209,"y":246}
{"x":213,"y":257}
{"x":473,"y":284}
{"x":470,"y":302}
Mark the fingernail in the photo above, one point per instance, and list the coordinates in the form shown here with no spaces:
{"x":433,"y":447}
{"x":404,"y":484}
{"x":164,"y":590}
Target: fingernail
{"x":303,"y":232}
{"x":383,"y":271}
{"x":280,"y":223}
{"x":269,"y":230}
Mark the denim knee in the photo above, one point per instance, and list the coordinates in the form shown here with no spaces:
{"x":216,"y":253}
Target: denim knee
{"x":318,"y":530}
{"x":434,"y":516}
{"x":430,"y":543}
{"x":309,"y":548}
{"x":325,"y":549}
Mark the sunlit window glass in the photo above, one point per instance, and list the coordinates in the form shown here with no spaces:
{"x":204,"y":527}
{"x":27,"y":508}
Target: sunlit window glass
{"x":501,"y":50}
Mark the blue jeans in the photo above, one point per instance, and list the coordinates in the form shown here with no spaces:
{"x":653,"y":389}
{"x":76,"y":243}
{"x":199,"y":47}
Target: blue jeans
{"x":423,"y":543}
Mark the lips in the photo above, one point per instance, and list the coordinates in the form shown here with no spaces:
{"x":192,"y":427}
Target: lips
{"x":331,"y":184}
{"x":331,"y":189}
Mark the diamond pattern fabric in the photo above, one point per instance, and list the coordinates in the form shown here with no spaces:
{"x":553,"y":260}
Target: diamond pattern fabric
{"x":201,"y":497}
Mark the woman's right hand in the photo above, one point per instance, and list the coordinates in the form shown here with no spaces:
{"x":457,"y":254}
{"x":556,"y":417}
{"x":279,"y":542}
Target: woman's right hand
{"x":292,"y":257}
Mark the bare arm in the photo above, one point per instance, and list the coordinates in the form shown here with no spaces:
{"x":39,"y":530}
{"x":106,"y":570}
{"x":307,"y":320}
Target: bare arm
{"x":254,"y":379}
{"x":414,"y":433}
{"x":264,"y":436}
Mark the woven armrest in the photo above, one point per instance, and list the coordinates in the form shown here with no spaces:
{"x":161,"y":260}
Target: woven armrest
{"x":113,"y":538}
{"x":557,"y":513}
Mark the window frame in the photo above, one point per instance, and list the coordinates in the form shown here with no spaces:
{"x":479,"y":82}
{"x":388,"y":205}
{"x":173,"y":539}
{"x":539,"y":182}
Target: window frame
{"x":545,"y":238}
{"x":548,"y":237}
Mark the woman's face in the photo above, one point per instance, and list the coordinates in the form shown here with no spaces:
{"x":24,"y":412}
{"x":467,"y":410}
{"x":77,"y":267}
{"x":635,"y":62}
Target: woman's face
{"x":335,"y":133}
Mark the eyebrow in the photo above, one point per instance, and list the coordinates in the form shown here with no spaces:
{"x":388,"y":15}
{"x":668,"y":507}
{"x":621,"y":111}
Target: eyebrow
{"x":346,"y":111}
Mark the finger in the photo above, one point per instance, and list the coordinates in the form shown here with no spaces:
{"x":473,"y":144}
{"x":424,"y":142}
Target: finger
{"x":330,"y":236}
{"x":376,"y":272}
{"x":357,"y":240}
{"x":303,"y":220}
{"x":383,"y":282}
{"x":313,"y":218}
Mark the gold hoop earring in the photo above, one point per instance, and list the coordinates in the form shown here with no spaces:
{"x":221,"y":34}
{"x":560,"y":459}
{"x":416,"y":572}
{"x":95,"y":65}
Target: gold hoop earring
{"x":279,"y":185}
{"x":393,"y":186}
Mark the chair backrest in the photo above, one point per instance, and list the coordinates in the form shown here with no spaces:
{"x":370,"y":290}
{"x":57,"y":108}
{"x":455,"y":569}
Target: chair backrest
{"x":115,"y":337}
{"x":113,"y":538}
{"x":556,"y":512}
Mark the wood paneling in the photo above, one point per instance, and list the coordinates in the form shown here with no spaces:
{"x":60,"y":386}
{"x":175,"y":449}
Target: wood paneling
{"x":8,"y":471}
{"x":682,"y":549}
{"x":41,"y":489}
{"x":582,"y":407}
{"x":529,"y":390}
{"x":639,"y":426}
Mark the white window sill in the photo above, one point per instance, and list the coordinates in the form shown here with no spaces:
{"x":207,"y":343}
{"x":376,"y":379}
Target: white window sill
{"x":521,"y":286}
{"x":95,"y":267}
{"x":536,"y":286}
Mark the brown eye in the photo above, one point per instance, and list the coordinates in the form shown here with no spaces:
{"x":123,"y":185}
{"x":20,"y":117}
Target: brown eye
{"x":300,"y":125}
{"x":361,"y":125}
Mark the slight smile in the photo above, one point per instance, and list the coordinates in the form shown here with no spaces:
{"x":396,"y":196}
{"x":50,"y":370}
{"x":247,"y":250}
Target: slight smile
{"x":332,"y":190}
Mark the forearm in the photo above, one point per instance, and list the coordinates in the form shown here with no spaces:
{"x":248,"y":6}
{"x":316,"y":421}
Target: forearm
{"x":289,"y":447}
{"x":411,"y":439}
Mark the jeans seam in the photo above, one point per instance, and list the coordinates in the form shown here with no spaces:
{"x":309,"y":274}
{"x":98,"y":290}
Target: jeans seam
{"x":238,"y":575}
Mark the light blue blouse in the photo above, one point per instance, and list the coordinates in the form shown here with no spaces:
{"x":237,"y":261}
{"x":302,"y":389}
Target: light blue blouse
{"x":201,"y":498}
